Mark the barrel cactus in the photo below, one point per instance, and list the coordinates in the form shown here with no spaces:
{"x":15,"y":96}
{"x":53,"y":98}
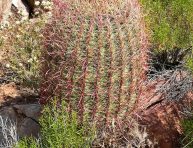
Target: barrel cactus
{"x":95,"y":58}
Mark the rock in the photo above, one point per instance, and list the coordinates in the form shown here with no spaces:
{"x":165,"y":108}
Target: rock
{"x":5,"y":9}
{"x":29,"y":110}
{"x":8,"y":113}
{"x":29,"y":128}
{"x":162,"y":118}
{"x":19,"y":106}
{"x":22,"y":8}
{"x":23,"y":117}
{"x":8,"y":91}
{"x":12,"y":94}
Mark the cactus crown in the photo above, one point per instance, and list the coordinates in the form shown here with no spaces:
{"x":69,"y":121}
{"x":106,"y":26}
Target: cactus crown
{"x":95,"y":61}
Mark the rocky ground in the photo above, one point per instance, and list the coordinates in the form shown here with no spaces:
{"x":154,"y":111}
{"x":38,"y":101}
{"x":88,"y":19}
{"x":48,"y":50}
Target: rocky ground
{"x":20,"y":106}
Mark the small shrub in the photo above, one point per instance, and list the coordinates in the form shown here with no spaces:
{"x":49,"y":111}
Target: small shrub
{"x":60,"y":129}
{"x":170,"y":23}
{"x":189,"y":62}
{"x":21,"y":43}
{"x":25,"y":60}
{"x":188,"y":132}
{"x":28,"y":143}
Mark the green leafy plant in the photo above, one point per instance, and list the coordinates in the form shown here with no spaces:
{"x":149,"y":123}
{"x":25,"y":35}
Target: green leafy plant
{"x":170,"y":23}
{"x":188,"y":132}
{"x":28,"y":143}
{"x":189,"y":63}
{"x":170,"y":28}
{"x":59,"y":128}
{"x":64,"y":129}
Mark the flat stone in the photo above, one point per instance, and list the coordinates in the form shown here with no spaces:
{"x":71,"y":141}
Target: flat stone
{"x":8,"y":113}
{"x":29,"y":110}
{"x":29,"y":128}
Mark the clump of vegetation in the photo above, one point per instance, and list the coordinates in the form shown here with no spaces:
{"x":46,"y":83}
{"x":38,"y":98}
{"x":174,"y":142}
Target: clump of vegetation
{"x":171,"y":34}
{"x":22,"y":42}
{"x":188,"y":132}
{"x":131,"y":134}
{"x":94,"y":60}
{"x":60,"y":129}
{"x":27,"y":51}
{"x":170,"y":23}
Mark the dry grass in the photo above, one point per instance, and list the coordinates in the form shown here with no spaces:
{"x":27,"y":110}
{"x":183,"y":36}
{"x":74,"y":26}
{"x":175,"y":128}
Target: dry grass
{"x":130,"y":136}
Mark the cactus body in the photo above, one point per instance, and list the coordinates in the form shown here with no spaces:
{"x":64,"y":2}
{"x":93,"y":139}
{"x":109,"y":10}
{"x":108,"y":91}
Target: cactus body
{"x":95,"y":61}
